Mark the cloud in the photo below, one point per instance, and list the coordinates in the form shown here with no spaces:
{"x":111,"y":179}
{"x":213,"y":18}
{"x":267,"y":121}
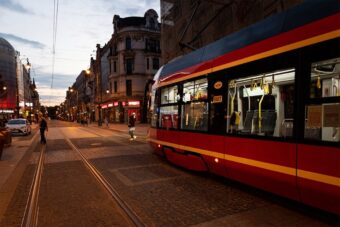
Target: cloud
{"x":9,"y":4}
{"x":126,"y":9}
{"x":60,"y":81}
{"x":31,"y":43}
{"x":50,"y":97}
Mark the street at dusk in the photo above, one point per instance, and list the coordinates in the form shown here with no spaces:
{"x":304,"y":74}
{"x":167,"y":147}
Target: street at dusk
{"x":201,"y":113}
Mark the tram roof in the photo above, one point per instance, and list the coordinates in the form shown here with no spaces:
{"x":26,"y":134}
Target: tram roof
{"x":304,"y":13}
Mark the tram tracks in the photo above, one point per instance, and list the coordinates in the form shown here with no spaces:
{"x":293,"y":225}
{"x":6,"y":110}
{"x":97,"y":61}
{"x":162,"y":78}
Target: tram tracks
{"x":31,"y":214}
{"x":113,"y":193}
{"x":32,"y":209}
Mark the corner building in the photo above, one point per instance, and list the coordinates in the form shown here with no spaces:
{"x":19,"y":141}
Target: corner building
{"x":133,"y":55}
{"x":188,"y":25}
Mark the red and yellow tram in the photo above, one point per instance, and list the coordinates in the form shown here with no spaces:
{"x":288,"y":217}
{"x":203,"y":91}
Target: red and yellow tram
{"x":260,"y":106}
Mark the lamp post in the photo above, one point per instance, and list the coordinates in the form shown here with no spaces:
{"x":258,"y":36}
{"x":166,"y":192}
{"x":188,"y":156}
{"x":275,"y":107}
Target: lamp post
{"x":76,"y":91}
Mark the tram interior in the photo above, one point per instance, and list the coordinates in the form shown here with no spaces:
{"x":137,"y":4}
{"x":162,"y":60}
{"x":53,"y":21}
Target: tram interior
{"x":264,"y":104}
{"x":261,"y":104}
{"x":323,"y":112}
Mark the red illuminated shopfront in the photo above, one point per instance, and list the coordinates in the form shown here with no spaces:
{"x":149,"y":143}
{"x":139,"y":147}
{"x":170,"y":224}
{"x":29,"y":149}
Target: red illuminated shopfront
{"x":119,"y":111}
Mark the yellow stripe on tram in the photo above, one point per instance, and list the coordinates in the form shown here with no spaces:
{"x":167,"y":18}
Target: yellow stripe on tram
{"x":259,"y":164}
{"x":319,"y":177}
{"x":279,"y":50}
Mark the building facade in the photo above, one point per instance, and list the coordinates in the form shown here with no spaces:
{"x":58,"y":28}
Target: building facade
{"x":18,"y":95}
{"x":125,"y":66}
{"x":187,"y":25}
{"x":8,"y":86}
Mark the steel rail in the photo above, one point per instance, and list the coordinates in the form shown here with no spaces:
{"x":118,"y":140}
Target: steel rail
{"x":115,"y":195}
{"x":30,"y":218}
{"x":119,"y":133}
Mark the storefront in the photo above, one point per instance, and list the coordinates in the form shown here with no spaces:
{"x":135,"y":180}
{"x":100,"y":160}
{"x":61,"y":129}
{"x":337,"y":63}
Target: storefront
{"x":119,"y":111}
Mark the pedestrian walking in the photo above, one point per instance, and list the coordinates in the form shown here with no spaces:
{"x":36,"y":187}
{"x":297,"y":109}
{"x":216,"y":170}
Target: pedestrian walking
{"x":106,"y":122}
{"x":43,"y":126}
{"x":132,"y":126}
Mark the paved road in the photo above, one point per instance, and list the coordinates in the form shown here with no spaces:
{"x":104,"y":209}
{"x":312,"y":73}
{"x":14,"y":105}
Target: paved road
{"x":158,"y":192}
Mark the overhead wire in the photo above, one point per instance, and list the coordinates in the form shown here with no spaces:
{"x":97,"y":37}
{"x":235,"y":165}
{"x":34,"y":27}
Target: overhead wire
{"x":55,"y":29}
{"x":55,"y":26}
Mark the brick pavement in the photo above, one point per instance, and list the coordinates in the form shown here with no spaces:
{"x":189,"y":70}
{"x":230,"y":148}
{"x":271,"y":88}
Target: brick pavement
{"x":141,"y":129}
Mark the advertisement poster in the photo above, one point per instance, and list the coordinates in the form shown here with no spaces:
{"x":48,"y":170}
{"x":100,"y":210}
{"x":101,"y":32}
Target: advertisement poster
{"x":314,"y":114}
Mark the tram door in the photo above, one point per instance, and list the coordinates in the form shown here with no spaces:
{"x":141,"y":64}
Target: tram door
{"x":217,"y":90}
{"x":217,"y":120}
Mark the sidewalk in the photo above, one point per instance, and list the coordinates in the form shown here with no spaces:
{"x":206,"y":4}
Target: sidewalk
{"x":141,"y":129}
{"x":12,"y":155}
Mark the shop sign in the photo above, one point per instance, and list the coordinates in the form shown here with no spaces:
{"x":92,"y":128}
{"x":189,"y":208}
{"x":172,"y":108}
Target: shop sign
{"x":110,"y":105}
{"x":123,"y":103}
{"x":115,"y":104}
{"x":104,"y":106}
{"x":133,"y":103}
{"x":7,"y":111}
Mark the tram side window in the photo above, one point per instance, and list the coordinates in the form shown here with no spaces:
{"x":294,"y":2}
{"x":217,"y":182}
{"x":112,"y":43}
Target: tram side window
{"x":169,"y":117}
{"x":262,"y":104}
{"x":323,"y":111}
{"x":154,"y":108}
{"x":194,"y":108}
{"x":169,"y":108}
{"x":169,"y":95}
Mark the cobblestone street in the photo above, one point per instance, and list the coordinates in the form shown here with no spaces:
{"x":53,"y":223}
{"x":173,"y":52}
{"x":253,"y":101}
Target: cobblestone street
{"x":160,"y":194}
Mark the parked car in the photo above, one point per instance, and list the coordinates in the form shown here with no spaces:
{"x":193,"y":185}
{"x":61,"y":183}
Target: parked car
{"x":19,"y":126}
{"x":8,"y":136}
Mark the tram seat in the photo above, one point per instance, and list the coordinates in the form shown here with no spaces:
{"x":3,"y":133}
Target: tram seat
{"x":313,"y":133}
{"x":287,"y":127}
{"x":247,"y":122}
{"x":268,"y":122}
{"x":167,"y":121}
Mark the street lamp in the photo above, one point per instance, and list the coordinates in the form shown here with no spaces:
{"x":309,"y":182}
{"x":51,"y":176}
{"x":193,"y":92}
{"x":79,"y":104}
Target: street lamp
{"x":76,"y":91}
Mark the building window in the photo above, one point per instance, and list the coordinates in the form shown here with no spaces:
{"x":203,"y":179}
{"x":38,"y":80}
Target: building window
{"x":129,"y":66}
{"x":115,"y":87}
{"x":128,"y":87}
{"x":110,"y":87}
{"x":115,"y":66}
{"x":152,"y":23}
{"x":152,"y":45}
{"x":147,"y":63}
{"x":128,"y":43}
{"x":155,"y":63}
{"x":110,"y":68}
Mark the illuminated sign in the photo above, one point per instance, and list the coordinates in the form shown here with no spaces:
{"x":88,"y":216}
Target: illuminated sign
{"x":104,"y":106}
{"x":123,"y":103}
{"x":218,"y":85}
{"x":133,"y":103}
{"x":110,"y":105}
{"x":217,"y":99}
{"x":115,"y":104}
